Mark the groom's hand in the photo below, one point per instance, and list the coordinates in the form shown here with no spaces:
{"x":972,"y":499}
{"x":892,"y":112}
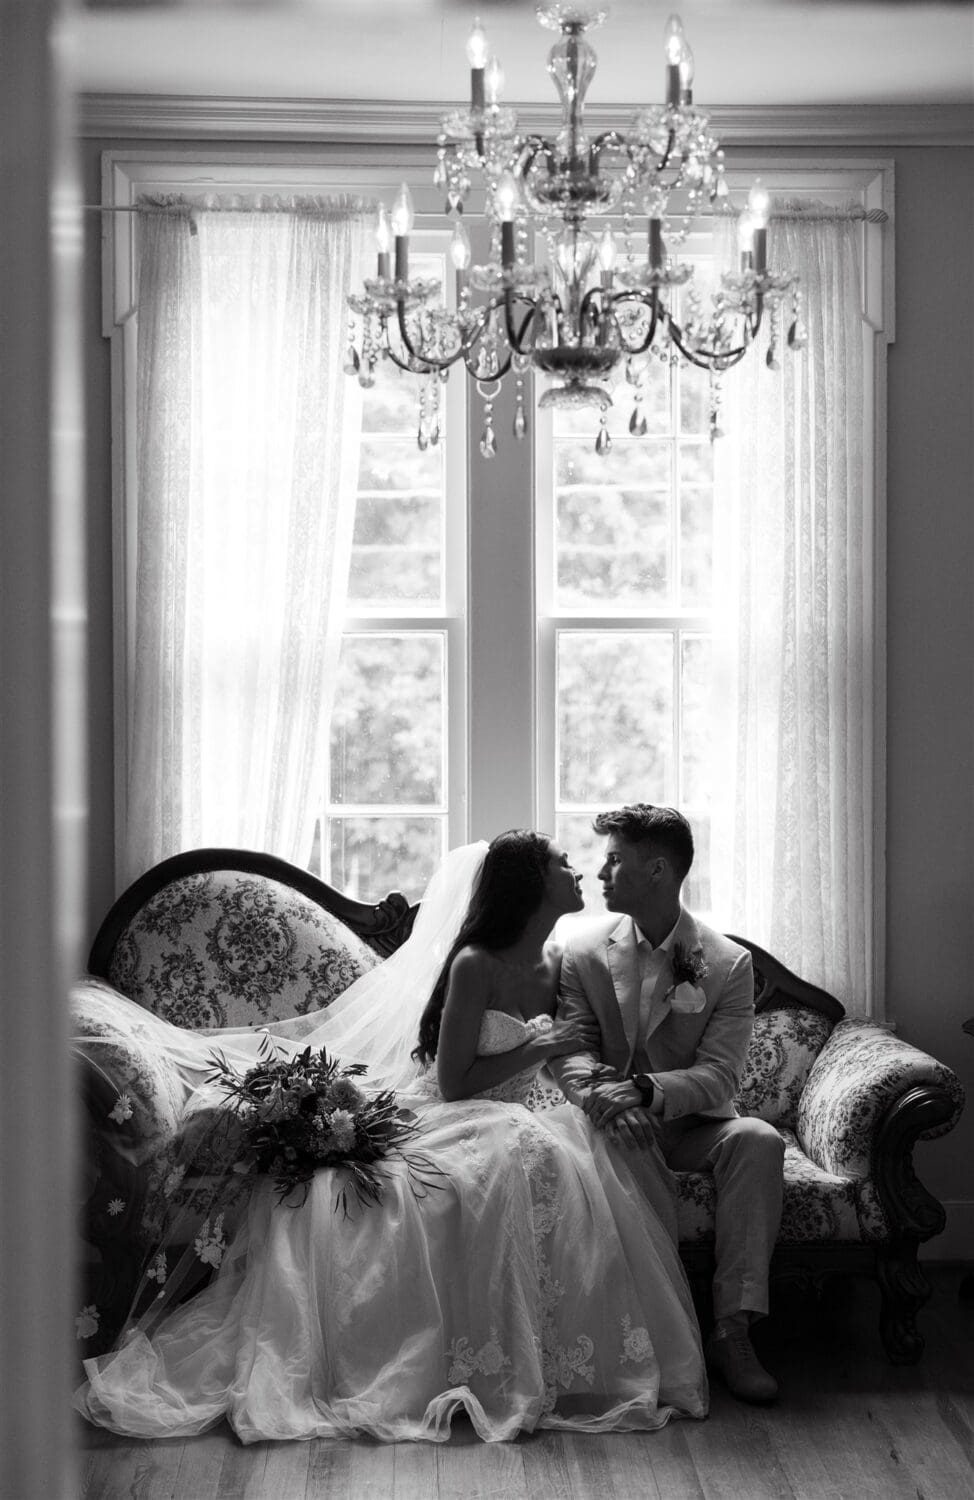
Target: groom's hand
{"x":634,"y":1129}
{"x":608,"y":1098}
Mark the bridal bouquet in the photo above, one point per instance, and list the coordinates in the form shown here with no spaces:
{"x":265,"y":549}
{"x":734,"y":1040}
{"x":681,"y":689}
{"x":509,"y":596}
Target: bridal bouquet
{"x":305,"y":1111}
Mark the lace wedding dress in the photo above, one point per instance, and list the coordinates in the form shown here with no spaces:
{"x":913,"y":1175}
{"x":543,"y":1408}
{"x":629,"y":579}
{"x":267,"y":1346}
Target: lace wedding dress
{"x":534,"y":1287}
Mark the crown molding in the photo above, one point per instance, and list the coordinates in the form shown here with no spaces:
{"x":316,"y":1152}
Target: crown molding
{"x":181,"y":117}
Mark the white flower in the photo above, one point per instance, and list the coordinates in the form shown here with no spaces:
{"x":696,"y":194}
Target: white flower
{"x":122,"y":1110}
{"x":158,"y":1271}
{"x":86,"y":1323}
{"x":116,"y":1207}
{"x":637,"y":1346}
{"x":210,"y":1246}
{"x":342,"y":1131}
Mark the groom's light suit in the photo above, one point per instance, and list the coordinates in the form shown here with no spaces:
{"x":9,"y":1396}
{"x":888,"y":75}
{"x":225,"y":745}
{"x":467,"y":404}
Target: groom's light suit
{"x":695,"y":1058}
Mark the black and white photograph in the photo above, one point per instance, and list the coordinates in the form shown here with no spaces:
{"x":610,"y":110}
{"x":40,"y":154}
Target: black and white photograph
{"x":486,"y":750}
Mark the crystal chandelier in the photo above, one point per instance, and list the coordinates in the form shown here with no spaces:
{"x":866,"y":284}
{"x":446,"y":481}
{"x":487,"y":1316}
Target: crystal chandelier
{"x":594,"y":299}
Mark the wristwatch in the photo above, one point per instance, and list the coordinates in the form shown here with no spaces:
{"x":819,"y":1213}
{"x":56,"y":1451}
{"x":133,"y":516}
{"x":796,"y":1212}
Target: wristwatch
{"x":645,"y":1085}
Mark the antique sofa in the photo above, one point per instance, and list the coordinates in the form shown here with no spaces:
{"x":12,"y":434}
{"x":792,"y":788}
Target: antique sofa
{"x":219,"y":937}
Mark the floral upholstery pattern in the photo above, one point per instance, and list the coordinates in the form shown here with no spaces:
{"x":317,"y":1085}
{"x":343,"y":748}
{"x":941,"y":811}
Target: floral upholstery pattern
{"x":860,"y":1071}
{"x":784,"y":1045}
{"x":227,"y":949}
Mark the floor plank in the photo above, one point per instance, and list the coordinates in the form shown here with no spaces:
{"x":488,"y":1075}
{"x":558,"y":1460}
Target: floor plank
{"x":849,"y":1426}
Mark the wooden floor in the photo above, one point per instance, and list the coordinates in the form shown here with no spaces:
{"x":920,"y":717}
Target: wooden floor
{"x":848,"y":1424}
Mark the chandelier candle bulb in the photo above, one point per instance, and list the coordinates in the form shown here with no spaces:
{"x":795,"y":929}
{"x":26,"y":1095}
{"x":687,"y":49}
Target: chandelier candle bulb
{"x":674,"y":44}
{"x":477,"y":58}
{"x":760,"y":250}
{"x":655,"y":244}
{"x":494,"y":81}
{"x":383,"y":242}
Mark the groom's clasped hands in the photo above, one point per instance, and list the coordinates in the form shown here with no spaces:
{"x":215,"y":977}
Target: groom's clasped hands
{"x":614,"y":1104}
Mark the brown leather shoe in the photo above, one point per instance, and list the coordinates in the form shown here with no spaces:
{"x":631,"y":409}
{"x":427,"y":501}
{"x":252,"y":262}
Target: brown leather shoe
{"x":730,"y":1355}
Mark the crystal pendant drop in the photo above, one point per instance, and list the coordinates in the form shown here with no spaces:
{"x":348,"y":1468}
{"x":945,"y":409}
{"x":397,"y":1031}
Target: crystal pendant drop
{"x":422,"y":440}
{"x":637,"y":423}
{"x":797,"y":335}
{"x":603,"y":443}
{"x":488,"y":442}
{"x":434,"y":434}
{"x":366,"y":377}
{"x":520,"y":421}
{"x":351,"y":361}
{"x":771,"y":358}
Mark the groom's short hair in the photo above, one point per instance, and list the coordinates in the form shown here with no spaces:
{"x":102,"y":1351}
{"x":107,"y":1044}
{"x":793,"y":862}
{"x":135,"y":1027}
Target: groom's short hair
{"x":642,"y":823}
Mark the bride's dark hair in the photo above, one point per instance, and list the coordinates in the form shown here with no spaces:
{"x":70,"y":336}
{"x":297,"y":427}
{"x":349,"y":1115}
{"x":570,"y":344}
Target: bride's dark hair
{"x":508,"y":892}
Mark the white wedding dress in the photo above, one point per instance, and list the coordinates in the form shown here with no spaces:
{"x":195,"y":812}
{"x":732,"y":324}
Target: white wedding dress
{"x":533,"y":1287}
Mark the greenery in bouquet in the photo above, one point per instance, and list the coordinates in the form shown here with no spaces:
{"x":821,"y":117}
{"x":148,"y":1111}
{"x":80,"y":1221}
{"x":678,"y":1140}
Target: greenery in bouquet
{"x":305,"y":1111}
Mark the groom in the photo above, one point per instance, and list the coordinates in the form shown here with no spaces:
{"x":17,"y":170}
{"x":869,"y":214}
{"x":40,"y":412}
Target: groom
{"x":674,"y":1003}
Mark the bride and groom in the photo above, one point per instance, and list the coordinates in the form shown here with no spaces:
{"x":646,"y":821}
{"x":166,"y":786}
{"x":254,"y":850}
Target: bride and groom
{"x":539,"y":1284}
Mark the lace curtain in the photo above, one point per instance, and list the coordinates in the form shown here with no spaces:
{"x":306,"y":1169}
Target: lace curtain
{"x":247,"y":455}
{"x":791,"y":825}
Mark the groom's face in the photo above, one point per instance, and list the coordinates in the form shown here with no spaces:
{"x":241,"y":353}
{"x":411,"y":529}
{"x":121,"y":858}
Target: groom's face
{"x":627,"y":875}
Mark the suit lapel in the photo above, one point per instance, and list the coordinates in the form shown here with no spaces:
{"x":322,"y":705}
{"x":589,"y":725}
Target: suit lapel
{"x":624,"y":969}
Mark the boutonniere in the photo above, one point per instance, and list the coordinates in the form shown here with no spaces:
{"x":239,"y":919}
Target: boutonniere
{"x":685,"y":994}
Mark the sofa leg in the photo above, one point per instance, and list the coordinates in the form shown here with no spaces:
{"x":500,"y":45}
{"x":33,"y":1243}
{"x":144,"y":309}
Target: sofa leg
{"x":904,"y":1289}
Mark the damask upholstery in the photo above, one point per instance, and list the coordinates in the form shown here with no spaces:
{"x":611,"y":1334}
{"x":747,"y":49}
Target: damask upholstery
{"x":225,"y":949}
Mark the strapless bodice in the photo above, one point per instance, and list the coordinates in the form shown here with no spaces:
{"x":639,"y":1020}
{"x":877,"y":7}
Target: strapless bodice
{"x":501,"y":1032}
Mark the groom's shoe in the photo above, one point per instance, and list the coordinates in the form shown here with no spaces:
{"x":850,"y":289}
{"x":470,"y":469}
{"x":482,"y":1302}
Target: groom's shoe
{"x":731,"y":1356}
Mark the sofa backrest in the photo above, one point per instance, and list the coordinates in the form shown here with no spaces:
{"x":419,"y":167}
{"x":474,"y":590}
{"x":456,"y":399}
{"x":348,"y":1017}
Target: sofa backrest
{"x":784,"y":1044}
{"x":232,"y":948}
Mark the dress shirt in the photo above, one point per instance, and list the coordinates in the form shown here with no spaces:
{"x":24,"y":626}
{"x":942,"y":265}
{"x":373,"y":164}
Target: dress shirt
{"x":651,"y":962}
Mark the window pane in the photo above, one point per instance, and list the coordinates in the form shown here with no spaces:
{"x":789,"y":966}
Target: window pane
{"x":695,"y":746}
{"x":397,"y":544}
{"x":612,"y":524}
{"x":696,"y":894}
{"x":389,"y":721}
{"x":613,"y":546}
{"x":614,"y":716}
{"x":372,"y":856}
{"x":396,"y":549}
{"x":696,"y":548}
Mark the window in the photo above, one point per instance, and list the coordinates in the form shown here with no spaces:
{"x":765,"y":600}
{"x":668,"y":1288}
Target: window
{"x":624,"y":600}
{"x":395,"y":767}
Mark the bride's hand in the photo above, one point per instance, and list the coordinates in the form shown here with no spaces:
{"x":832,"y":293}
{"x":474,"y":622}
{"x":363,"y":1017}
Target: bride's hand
{"x":560,"y":1040}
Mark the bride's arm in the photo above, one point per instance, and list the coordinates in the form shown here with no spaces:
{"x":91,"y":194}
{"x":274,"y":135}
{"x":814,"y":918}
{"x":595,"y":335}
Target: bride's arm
{"x":459,"y":1071}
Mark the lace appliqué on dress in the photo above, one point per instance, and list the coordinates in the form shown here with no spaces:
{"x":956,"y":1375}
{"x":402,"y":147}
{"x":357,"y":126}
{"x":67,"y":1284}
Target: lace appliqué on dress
{"x":637,"y":1346}
{"x":489,"y":1359}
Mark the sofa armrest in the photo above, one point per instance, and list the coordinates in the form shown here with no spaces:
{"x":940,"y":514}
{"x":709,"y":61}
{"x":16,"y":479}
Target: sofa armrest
{"x":870,"y":1096}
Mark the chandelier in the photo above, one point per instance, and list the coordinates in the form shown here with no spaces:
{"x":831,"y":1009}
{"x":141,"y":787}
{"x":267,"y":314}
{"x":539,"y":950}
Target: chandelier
{"x":594,"y":301}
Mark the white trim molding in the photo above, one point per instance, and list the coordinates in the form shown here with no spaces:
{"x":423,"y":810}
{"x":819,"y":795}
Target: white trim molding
{"x":198,"y":117}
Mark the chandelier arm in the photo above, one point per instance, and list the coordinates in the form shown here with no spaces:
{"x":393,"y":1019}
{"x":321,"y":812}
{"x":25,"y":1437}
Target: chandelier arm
{"x":515,"y":334}
{"x":434,"y":361}
{"x":609,"y":140}
{"x":707,"y":359}
{"x":655,"y":312}
{"x":534,"y":146}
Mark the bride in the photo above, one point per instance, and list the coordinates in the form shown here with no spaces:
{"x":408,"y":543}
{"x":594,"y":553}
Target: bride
{"x":534,"y":1286}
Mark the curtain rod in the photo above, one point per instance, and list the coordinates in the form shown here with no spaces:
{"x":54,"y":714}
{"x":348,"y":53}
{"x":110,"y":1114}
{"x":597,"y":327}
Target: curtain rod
{"x":855,"y":212}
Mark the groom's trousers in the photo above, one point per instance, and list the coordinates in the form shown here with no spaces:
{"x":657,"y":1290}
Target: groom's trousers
{"x":746,"y":1156}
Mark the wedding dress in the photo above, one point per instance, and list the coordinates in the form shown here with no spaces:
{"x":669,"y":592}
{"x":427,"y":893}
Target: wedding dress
{"x":533,"y":1286}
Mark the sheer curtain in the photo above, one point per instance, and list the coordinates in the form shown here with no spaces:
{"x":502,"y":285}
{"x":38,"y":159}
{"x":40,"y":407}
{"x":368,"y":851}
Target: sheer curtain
{"x":791,"y":824}
{"x":247,"y":457}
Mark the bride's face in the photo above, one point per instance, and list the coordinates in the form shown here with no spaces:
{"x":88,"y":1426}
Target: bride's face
{"x":563,"y":885}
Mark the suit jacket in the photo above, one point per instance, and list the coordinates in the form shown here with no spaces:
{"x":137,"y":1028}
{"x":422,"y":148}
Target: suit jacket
{"x":696,"y":1058}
